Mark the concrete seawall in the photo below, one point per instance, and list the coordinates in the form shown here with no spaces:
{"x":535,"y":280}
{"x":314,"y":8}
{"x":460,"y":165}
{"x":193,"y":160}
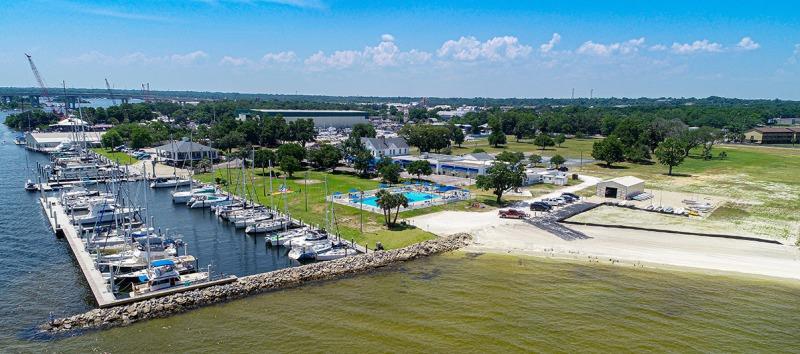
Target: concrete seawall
{"x":250,"y":285}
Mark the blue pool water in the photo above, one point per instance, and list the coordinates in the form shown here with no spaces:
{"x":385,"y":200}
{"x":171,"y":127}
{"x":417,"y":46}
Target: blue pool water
{"x":412,"y":198}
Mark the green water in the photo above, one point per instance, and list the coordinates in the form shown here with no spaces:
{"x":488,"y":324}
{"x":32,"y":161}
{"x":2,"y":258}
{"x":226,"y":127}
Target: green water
{"x":461,"y":302}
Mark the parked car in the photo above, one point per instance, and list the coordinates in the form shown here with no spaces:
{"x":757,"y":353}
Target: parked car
{"x":540,"y":206}
{"x":573,"y":195}
{"x":554,"y":201}
{"x":512,"y":214}
{"x":568,"y":199}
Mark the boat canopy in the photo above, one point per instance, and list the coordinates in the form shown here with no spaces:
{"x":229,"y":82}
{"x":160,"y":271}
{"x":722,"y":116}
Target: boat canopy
{"x":162,"y":262}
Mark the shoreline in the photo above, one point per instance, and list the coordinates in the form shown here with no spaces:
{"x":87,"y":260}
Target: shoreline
{"x":604,"y":260}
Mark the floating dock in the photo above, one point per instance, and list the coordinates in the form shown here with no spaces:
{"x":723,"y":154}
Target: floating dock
{"x":62,"y":226}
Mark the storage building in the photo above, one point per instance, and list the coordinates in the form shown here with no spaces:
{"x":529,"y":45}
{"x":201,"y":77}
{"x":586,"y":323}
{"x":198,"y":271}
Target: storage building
{"x":620,"y":187}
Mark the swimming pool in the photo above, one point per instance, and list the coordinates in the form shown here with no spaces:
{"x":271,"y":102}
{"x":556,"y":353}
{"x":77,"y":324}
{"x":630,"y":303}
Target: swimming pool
{"x":412,"y":197}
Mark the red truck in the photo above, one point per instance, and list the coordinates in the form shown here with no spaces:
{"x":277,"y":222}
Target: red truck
{"x":512,"y":214}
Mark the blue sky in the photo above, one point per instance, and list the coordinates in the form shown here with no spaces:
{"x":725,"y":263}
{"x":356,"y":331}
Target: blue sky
{"x":414,"y":48}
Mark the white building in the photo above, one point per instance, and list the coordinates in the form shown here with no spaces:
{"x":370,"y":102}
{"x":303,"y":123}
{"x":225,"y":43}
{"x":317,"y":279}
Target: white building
{"x":48,"y":142}
{"x":620,"y":187}
{"x":536,"y":176}
{"x":470,"y":165}
{"x":383,"y":146}
{"x":322,"y":118}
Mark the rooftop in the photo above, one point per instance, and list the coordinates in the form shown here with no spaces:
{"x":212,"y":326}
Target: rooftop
{"x":627,"y":180}
{"x":184,"y":146}
{"x":58,"y":137}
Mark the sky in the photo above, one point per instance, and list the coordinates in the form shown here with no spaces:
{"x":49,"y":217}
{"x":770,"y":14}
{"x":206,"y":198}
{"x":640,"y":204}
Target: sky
{"x":431,"y":48}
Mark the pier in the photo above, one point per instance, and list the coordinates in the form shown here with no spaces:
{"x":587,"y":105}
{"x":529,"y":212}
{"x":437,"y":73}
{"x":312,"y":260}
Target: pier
{"x":62,"y":226}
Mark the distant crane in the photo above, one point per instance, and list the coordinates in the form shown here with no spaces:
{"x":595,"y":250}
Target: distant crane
{"x":39,"y":80}
{"x":110,"y":93}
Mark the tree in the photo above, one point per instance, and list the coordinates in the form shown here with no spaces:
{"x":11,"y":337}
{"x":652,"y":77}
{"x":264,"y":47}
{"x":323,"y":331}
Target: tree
{"x":559,"y":139}
{"x":501,"y":177}
{"x":670,"y":153}
{"x":302,"y":130}
{"x":535,"y":159}
{"x":363,"y":130}
{"x":543,"y":141}
{"x":230,"y":141}
{"x":510,"y":157}
{"x":497,"y":138}
{"x":293,"y":150}
{"x":388,"y":201}
{"x":390,"y":173}
{"x":326,"y":156}
{"x":140,"y":138}
{"x":362,"y":160}
{"x":111,"y":139}
{"x":289,"y":164}
{"x":609,"y":150}
{"x":557,"y":160}
{"x":723,"y":155}
{"x":204,"y":165}
{"x":419,"y":168}
{"x":708,"y":137}
{"x":458,"y":136}
{"x":263,"y":158}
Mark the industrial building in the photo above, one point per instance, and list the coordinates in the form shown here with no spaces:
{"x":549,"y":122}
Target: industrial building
{"x":322,"y":118}
{"x":48,"y":142}
{"x":772,"y":135}
{"x":620,"y":187}
{"x":469,"y":165}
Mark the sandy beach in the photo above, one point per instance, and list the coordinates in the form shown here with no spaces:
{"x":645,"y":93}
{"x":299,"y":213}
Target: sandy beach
{"x":619,"y":246}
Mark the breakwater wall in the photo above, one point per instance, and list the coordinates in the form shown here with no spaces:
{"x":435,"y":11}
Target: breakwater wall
{"x":254,"y":284}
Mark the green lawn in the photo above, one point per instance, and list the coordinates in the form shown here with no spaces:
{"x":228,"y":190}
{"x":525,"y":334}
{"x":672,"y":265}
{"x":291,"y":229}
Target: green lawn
{"x":347,"y":217}
{"x":572,"y":148}
{"x":119,"y":157}
{"x":763,"y":183}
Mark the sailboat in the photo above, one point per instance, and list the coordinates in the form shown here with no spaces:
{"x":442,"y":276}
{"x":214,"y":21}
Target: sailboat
{"x":172,"y":181}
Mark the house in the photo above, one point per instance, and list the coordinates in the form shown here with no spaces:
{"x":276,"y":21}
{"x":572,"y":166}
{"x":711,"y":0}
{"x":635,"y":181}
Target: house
{"x":178,"y":152}
{"x":620,"y":187}
{"x":383,"y":146}
{"x":546,"y":176}
{"x":772,"y":135}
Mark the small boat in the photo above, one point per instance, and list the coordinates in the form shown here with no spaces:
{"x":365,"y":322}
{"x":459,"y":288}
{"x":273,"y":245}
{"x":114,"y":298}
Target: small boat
{"x":309,"y":252}
{"x":338,"y":251}
{"x":169,"y":182}
{"x":184,"y":196}
{"x":102,"y":213}
{"x":164,"y":277}
{"x":207,"y":200}
{"x":255,"y":219}
{"x":266,"y":226}
{"x":30,"y":186}
{"x":285,"y":237}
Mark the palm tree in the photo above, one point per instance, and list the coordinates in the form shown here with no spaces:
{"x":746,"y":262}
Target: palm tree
{"x":401,"y":201}
{"x":386,"y":201}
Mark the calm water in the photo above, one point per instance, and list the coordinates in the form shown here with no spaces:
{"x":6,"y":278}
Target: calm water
{"x":455,"y":302}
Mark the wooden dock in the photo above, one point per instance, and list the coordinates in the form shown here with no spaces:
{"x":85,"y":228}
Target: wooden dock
{"x":61,"y":225}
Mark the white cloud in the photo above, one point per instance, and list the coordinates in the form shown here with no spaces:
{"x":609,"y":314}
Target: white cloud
{"x":747,"y":43}
{"x":599,"y":49}
{"x":234,"y":61}
{"x":188,"y":58}
{"x":280,"y":57}
{"x":547,"y":47}
{"x":696,"y":46}
{"x":495,"y":49}
{"x":140,"y":58}
{"x":386,"y":53}
{"x":795,"y":58}
{"x":311,"y":4}
{"x":658,"y":48}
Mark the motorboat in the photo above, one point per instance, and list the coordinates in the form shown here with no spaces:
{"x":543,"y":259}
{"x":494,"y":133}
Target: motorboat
{"x":103,"y":212}
{"x":164,"y":277}
{"x":125,"y":281}
{"x":266,"y":226}
{"x":30,"y":186}
{"x":207,"y":200}
{"x":301,"y":253}
{"x":184,"y":196}
{"x":256,"y":218}
{"x":169,"y":182}
{"x":336,"y":252}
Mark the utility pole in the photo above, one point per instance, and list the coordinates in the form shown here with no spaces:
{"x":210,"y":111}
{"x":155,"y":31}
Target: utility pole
{"x":573,"y":93}
{"x":305,"y":187}
{"x":591,"y":94}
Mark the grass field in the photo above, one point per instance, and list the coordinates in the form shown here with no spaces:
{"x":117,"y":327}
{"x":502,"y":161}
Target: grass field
{"x":572,"y":148}
{"x":119,"y":157}
{"x":763,"y":182}
{"x":348,"y":218}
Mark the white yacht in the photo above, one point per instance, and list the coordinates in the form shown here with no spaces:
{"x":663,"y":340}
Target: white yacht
{"x":207,"y":200}
{"x":182,"y":197}
{"x":103,"y":212}
{"x":169,"y":182}
{"x":309,"y":252}
{"x":267,"y":226}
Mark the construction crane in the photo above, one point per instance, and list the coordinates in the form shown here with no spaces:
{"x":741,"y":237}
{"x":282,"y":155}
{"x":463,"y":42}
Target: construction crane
{"x":39,"y":80}
{"x":110,"y":93}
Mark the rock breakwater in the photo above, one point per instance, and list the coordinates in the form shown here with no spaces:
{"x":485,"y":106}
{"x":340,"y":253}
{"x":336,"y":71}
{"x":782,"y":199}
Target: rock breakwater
{"x":250,"y":285}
